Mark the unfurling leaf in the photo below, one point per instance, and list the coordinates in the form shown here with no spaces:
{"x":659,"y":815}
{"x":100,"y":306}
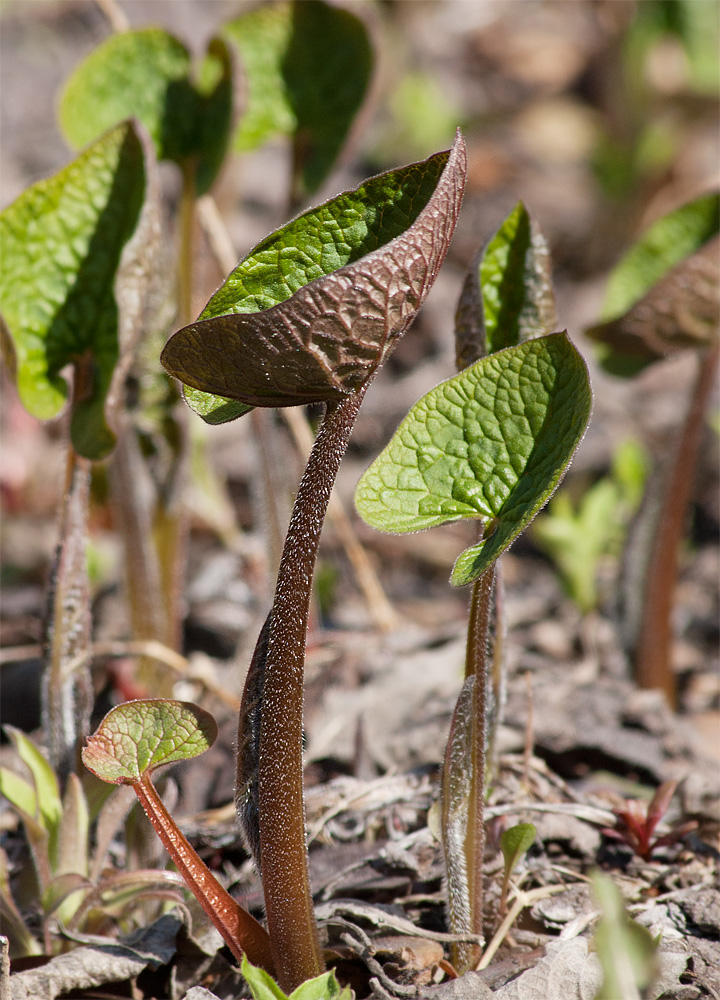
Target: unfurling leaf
{"x":489,"y":444}
{"x":139,"y":736}
{"x":313,"y":310}
{"x":147,"y":75}
{"x":62,"y":241}
{"x":507,"y":296}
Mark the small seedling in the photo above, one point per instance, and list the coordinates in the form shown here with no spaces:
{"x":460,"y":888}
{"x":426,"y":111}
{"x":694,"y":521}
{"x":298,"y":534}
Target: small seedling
{"x":514,"y":843}
{"x":263,"y":987}
{"x":636,"y":823}
{"x":491,"y":445}
{"x":663,"y":298}
{"x":134,"y":740}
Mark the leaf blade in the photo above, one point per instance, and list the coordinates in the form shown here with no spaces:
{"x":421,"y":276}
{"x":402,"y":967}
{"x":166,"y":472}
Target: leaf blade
{"x":137,"y":737}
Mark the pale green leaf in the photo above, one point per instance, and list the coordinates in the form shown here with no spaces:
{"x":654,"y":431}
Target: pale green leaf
{"x":627,"y":950}
{"x":139,"y":736}
{"x":46,"y":785}
{"x":515,"y":842}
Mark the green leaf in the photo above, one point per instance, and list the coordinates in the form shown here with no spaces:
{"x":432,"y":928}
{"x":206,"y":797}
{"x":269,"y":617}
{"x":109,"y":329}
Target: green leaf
{"x":314,"y":309}
{"x":515,"y":842}
{"x":627,"y":950}
{"x":147,"y":75}
{"x":46,"y":785}
{"x":514,"y":275}
{"x":667,"y":242}
{"x":262,"y":37}
{"x":62,"y":240}
{"x":263,"y":986}
{"x":307,"y":67}
{"x":490,"y":444}
{"x":18,"y":792}
{"x":139,"y":736}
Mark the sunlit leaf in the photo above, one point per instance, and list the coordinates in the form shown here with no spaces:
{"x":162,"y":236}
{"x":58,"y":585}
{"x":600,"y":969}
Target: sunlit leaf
{"x":489,"y":444}
{"x":313,"y":310}
{"x":147,"y":74}
{"x":307,"y":68}
{"x":62,"y":240}
{"x":263,"y":986}
{"x":139,"y":736}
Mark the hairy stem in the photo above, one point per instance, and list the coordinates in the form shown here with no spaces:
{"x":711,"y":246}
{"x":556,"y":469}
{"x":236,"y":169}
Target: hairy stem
{"x":653,"y":659}
{"x":241,"y":932}
{"x":481,"y":607}
{"x":283,"y":847}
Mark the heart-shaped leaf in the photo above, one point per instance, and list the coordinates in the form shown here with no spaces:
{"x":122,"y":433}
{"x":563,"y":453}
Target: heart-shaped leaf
{"x":62,"y":241}
{"x":490,"y":444}
{"x":147,"y":74}
{"x":139,"y":736}
{"x":313,"y":310}
{"x":307,"y":67}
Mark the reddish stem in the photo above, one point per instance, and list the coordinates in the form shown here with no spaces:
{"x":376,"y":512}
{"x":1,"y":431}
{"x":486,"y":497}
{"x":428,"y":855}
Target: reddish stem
{"x":653,"y":654}
{"x":241,"y":931}
{"x":283,"y":847}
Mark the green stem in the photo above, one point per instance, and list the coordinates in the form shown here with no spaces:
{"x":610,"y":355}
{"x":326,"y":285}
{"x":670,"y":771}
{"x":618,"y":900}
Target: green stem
{"x":653,"y":654}
{"x":283,"y":846}
{"x":239,"y":929}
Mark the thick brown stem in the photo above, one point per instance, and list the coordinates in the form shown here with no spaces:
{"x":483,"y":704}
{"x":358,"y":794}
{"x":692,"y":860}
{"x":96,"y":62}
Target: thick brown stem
{"x":241,"y":931}
{"x":283,"y":847}
{"x":653,"y":653}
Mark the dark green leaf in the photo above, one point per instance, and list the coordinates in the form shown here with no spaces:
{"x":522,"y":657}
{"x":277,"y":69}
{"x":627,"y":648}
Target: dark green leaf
{"x":147,"y":75}
{"x":490,"y":444}
{"x":62,"y":240}
{"x":139,"y":736}
{"x":313,"y":310}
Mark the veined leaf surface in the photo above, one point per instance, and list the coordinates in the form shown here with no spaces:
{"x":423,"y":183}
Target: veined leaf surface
{"x":62,"y":240}
{"x":313,"y":310}
{"x":490,"y":444}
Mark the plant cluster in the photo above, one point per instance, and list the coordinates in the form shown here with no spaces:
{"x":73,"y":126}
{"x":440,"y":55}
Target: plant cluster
{"x":308,"y":316}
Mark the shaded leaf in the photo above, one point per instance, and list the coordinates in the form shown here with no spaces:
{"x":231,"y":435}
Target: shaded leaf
{"x":139,"y":736}
{"x":681,"y":311}
{"x":307,"y":67}
{"x":15,"y":929}
{"x":147,"y":74}
{"x":62,"y":240}
{"x":314,"y":309}
{"x":490,"y":444}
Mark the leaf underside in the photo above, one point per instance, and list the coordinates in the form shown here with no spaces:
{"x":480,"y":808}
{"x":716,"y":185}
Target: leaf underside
{"x":489,"y":444}
{"x":62,"y":241}
{"x":139,"y":736}
{"x":314,"y":308}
